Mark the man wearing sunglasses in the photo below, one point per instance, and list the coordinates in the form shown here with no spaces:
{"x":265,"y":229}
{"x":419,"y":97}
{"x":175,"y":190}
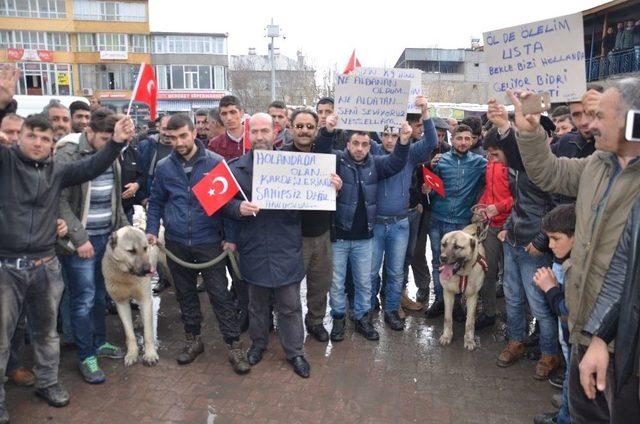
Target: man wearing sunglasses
{"x":316,"y":240}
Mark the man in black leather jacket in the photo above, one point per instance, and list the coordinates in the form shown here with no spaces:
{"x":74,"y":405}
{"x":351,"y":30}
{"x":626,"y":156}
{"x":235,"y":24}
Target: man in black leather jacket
{"x":616,"y":316}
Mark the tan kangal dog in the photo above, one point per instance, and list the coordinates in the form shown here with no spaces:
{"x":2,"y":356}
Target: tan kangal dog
{"x":462,"y":270}
{"x":127,"y":266}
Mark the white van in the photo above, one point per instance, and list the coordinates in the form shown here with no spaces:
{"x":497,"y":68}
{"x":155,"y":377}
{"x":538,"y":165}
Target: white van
{"x":28,"y":105}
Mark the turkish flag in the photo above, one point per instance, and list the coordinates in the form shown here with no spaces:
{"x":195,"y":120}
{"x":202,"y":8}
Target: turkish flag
{"x":245,"y":137}
{"x":146,"y":89}
{"x":352,"y":64}
{"x":216,"y":188}
{"x":433,"y":181}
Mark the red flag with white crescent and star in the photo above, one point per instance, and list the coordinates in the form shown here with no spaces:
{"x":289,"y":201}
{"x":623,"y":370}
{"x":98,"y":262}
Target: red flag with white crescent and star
{"x":146,"y":89}
{"x":433,"y":181}
{"x":216,"y":188}
{"x":245,"y":137}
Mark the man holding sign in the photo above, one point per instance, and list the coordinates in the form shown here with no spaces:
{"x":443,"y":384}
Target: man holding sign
{"x":354,"y":220}
{"x":270,"y":245}
{"x":194,"y":236}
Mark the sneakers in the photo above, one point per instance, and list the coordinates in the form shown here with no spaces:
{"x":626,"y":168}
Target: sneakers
{"x":393,"y":319}
{"x":436,"y":309}
{"x":54,"y":395}
{"x":337,"y":331}
{"x":254,"y":355}
{"x":556,"y":378}
{"x":509,"y":356}
{"x":408,"y":303}
{"x":22,"y":377}
{"x":364,"y":327}
{"x":91,"y":371}
{"x":545,"y":366}
{"x":483,"y":320}
{"x":192,"y":348}
{"x":108,"y":350}
{"x":238,"y":358}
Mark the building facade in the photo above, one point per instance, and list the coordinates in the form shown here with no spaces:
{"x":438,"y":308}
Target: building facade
{"x":450,"y":75}
{"x":76,"y":47}
{"x":191,"y":70}
{"x":250,"y":80}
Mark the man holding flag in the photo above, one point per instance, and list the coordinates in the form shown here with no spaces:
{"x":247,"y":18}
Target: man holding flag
{"x":189,"y":189}
{"x":270,"y":244}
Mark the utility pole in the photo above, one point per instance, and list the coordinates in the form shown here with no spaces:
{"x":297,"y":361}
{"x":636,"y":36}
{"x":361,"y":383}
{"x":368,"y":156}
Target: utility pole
{"x":273,"y":31}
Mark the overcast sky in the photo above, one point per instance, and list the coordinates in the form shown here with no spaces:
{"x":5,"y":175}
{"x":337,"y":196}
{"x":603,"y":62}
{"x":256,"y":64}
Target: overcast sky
{"x":327,"y":31}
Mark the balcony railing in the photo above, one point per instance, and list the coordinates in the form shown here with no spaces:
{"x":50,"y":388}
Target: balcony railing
{"x":612,"y":64}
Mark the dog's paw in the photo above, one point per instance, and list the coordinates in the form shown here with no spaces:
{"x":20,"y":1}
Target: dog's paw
{"x":470,"y":342}
{"x":131,"y":358}
{"x":445,"y":339}
{"x":150,"y":359}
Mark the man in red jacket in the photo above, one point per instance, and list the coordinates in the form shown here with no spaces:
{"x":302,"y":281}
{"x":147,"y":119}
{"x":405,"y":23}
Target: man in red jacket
{"x":230,"y":144}
{"x":498,"y":201}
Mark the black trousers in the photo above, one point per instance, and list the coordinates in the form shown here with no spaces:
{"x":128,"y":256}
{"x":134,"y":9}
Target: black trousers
{"x":607,"y":407}
{"x":215,"y":283}
{"x":289,"y":308}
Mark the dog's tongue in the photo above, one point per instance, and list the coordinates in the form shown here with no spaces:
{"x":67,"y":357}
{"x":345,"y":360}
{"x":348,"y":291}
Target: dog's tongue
{"x":151,"y":272}
{"x":446,"y":271}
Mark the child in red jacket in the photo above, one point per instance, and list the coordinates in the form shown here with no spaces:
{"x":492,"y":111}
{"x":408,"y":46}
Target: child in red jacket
{"x":497,"y":203}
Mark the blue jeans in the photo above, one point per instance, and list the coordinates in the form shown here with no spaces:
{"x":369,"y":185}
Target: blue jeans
{"x":519,"y":268}
{"x":87,"y":298}
{"x":437,"y":229}
{"x":391,"y":241}
{"x":358,"y":254}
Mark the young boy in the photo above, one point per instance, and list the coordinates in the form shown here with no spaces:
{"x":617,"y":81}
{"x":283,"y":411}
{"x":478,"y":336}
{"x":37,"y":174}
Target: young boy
{"x":559,"y":225}
{"x":498,"y":202}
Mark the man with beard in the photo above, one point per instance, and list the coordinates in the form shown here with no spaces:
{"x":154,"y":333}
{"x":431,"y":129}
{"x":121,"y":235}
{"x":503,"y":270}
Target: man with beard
{"x":462,"y":173}
{"x":193,"y":237}
{"x":10,"y":127}
{"x":80,"y":115}
{"x":60,"y":118}
{"x":316,"y":240}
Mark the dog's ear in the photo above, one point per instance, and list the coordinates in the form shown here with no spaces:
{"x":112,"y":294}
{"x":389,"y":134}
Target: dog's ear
{"x":113,"y":240}
{"x":472,"y":244}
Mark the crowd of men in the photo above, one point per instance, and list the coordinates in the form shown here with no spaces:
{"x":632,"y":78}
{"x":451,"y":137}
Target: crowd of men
{"x":558,"y":195}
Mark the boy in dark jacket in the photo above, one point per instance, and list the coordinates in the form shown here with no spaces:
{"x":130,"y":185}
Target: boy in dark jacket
{"x":559,"y":225}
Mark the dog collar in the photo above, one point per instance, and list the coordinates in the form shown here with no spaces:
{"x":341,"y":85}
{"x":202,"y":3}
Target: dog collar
{"x":464,"y":280}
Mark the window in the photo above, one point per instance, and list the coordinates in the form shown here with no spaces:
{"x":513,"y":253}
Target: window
{"x":108,"y":76}
{"x":111,"y":42}
{"x":190,"y":77}
{"x":86,"y":43}
{"x":138,"y":44}
{"x":35,"y":40}
{"x":90,"y":10}
{"x":46,"y":9}
{"x":189,"y":44}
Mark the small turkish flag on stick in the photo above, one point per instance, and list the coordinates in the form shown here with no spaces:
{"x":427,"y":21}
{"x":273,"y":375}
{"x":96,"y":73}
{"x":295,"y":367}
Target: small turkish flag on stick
{"x":433,"y":181}
{"x":146,"y":90}
{"x":216,"y":188}
{"x":245,"y":136}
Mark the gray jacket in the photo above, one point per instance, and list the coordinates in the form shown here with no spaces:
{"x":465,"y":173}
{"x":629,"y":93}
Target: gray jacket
{"x":74,"y":201}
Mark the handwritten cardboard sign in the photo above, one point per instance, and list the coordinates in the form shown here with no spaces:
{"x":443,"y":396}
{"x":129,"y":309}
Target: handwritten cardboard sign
{"x":413,"y":75}
{"x":293,"y":180}
{"x":540,"y":56}
{"x":371,"y":103}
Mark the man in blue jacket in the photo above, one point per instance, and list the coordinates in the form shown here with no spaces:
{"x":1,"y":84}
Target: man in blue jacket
{"x":194,"y":237}
{"x":462,"y":174}
{"x":391,"y":229}
{"x":270,"y":245}
{"x":354,"y":219}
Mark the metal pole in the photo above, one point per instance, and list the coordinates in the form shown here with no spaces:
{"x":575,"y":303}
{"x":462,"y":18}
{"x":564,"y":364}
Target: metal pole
{"x":273,"y":71}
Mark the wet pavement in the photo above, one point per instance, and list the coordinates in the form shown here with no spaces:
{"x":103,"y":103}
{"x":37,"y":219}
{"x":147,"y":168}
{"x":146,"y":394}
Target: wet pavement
{"x":406,"y":377}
